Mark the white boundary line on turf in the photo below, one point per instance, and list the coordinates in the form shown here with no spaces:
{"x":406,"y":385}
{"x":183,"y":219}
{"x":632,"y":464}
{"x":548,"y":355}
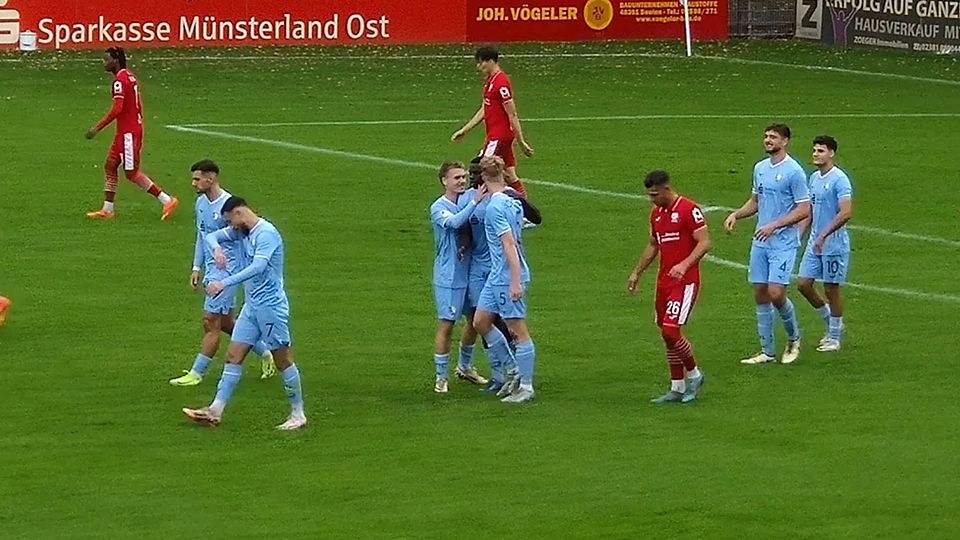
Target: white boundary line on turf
{"x":569,"y":187}
{"x":581,"y":119}
{"x":735,"y":60}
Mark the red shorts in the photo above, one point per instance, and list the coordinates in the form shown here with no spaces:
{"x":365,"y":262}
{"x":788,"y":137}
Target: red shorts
{"x":502,"y":147}
{"x":675,"y":302}
{"x":126,"y":149}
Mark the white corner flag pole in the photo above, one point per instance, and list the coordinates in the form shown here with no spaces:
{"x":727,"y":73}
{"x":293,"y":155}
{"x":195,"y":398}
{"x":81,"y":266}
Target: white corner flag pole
{"x":686,"y":26}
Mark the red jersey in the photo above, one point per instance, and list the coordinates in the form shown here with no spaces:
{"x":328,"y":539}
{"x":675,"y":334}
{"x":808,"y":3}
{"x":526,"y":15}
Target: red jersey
{"x":130,"y":119}
{"x":497,"y":91}
{"x":673,"y":229}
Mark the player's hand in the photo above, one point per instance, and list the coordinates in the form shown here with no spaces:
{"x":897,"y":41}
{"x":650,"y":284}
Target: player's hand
{"x":730,"y":223}
{"x":215,"y":288}
{"x":482,"y":192}
{"x":194,"y":280}
{"x":818,"y":245}
{"x":765,"y":232}
{"x":526,"y":149}
{"x":633,"y":282}
{"x":678,"y":271}
{"x":516,"y":292}
{"x":220,"y":258}
{"x":91,"y":133}
{"x":458,"y":135}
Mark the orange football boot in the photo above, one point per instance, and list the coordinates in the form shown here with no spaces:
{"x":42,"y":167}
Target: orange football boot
{"x":101,"y":214}
{"x":170,"y":208}
{"x":4,"y":308}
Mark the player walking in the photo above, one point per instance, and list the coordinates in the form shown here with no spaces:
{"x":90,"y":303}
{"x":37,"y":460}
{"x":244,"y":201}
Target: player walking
{"x":781,"y":200}
{"x":827,"y":256}
{"x":127,"y":111}
{"x":218,"y":310}
{"x":678,"y":234}
{"x":499,"y":115}
{"x":265,"y":314}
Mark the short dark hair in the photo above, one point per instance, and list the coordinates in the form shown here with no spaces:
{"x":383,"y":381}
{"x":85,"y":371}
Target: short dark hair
{"x":780,"y":129}
{"x":826,"y":140}
{"x":206,"y":166}
{"x":656,"y":179}
{"x":119,"y":55}
{"x":233,"y":203}
{"x":487,"y":53}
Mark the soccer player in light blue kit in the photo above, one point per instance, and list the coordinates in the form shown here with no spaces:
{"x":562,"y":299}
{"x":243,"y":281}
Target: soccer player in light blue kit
{"x":448,"y":214}
{"x":217,"y":312}
{"x":266,"y":310}
{"x":781,"y":200}
{"x":827,"y":257}
{"x":504,"y":293}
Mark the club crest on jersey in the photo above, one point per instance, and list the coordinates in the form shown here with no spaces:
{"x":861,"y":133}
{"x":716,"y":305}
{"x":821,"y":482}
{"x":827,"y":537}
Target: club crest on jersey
{"x":779,"y":177}
{"x":675,"y":217}
{"x":216,"y":216}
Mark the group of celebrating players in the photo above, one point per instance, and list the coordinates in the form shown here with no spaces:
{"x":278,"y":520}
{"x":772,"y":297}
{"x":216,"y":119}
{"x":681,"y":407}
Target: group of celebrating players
{"x":483,"y":275}
{"x":481,"y":271}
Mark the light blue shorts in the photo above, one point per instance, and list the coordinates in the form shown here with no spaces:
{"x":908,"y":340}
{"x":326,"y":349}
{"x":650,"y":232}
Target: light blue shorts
{"x":221,"y":304}
{"x":496,"y":299}
{"x":268,"y":324}
{"x":473,"y":291}
{"x":771,"y":266}
{"x":826,"y":268}
{"x":450,"y":302}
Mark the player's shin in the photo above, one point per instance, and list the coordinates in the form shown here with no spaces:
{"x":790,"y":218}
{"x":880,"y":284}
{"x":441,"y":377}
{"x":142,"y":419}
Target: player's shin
{"x":765,"y":317}
{"x":526,"y":361}
{"x":789,"y":317}
{"x":294,"y":390}
{"x":228,"y":383}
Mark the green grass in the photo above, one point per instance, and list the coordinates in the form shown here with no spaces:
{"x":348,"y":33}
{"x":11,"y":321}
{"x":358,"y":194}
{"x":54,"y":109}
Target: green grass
{"x":858,"y":445}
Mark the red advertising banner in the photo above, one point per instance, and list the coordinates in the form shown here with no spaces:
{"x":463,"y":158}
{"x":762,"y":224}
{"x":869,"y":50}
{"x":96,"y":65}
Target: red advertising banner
{"x":584,"y":20}
{"x":76,"y":24}
{"x":72,"y":24}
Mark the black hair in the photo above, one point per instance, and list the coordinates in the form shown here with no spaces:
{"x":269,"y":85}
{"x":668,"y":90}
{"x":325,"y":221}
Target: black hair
{"x":780,"y":129}
{"x":827,"y":141}
{"x":656,"y":179}
{"x":206,"y":166}
{"x":487,"y":53}
{"x":233,"y":203}
{"x":117,"y":54}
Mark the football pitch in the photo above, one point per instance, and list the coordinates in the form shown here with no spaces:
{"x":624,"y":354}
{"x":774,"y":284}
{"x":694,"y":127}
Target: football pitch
{"x":339,"y":148}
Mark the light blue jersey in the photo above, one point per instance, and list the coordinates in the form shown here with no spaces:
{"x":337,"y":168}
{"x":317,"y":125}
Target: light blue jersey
{"x":260,"y":255}
{"x":504,"y":214}
{"x":210,"y":219}
{"x":480,"y":250}
{"x":779,"y":189}
{"x":447,"y":217}
{"x":826,"y":191}
{"x":266,"y":312}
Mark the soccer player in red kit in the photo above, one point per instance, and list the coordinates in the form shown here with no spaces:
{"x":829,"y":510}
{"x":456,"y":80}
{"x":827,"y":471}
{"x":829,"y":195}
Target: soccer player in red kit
{"x":127,"y":110}
{"x":678,"y":233}
{"x":499,"y":115}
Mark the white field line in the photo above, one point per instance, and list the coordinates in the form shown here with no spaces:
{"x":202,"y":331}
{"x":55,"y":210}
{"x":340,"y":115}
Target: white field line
{"x":569,"y":187}
{"x":619,"y":118}
{"x":401,"y":57}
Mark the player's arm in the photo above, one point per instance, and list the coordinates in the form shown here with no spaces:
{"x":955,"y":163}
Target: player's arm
{"x":702,"y":237}
{"x":748,"y":209}
{"x":112,"y":114}
{"x":472,"y":123}
{"x":511,"y":107}
{"x":844,"y":214}
{"x":646,"y":259}
{"x":513,"y":263}
{"x":197,"y":260}
{"x":464,"y":241}
{"x":267,"y":244}
{"x":214,"y":239}
{"x":530,"y":212}
{"x":448,"y":220}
